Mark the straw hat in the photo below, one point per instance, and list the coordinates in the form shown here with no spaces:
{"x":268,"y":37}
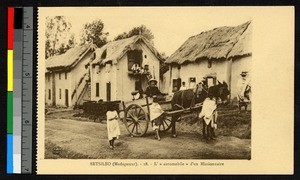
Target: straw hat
{"x":152,"y":79}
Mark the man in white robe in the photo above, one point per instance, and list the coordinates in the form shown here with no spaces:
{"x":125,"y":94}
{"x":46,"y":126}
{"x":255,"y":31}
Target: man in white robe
{"x":244,"y":90}
{"x":242,"y":86}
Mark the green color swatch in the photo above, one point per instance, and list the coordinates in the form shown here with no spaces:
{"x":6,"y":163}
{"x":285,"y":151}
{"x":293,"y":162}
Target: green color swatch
{"x":10,"y":112}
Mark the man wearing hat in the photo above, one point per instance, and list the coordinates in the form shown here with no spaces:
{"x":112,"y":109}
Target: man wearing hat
{"x":243,"y":87}
{"x":152,"y":89}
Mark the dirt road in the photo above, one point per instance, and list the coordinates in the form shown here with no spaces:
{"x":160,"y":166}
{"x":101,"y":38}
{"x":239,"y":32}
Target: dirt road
{"x":66,"y":138}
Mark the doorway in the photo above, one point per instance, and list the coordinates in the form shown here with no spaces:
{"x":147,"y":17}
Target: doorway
{"x":67,"y":97}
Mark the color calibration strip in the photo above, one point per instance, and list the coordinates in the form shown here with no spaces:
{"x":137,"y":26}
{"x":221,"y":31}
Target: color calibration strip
{"x":10,"y":40}
{"x":19,"y":87}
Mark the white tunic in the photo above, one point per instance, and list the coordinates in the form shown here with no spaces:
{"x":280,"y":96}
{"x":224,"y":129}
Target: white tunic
{"x":208,"y":110}
{"x":155,"y":111}
{"x":183,"y":88}
{"x":241,"y":87}
{"x":113,"y":129}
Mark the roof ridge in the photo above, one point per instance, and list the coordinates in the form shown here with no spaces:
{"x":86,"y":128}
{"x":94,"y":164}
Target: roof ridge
{"x":247,"y":25}
{"x":216,"y":43}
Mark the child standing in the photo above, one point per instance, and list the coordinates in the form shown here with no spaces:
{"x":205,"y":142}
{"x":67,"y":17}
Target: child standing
{"x":156,"y":114}
{"x":113,"y":129}
{"x":209,"y":115}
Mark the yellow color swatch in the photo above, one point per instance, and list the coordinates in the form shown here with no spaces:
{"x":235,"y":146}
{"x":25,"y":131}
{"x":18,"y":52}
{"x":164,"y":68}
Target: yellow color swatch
{"x":10,"y":71}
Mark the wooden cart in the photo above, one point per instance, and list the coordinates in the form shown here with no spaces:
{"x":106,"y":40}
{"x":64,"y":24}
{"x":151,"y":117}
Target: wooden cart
{"x":137,"y":115}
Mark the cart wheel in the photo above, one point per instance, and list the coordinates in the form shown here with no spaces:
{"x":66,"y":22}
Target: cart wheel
{"x":136,"y":120}
{"x":165,"y":124}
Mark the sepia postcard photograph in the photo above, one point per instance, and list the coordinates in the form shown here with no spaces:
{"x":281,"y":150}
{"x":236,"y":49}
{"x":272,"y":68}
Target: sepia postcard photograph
{"x":164,"y":90}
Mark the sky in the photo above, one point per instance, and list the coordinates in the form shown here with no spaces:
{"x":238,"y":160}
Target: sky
{"x":171,"y":27}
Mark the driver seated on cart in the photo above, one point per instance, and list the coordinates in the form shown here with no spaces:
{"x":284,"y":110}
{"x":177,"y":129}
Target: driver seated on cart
{"x":156,"y":116}
{"x":152,"y":89}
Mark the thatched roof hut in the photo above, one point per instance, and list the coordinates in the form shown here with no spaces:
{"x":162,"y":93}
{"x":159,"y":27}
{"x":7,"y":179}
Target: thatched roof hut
{"x":115,"y":50}
{"x":215,"y":44}
{"x":69,"y":59}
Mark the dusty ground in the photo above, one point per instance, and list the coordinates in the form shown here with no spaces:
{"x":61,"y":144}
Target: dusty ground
{"x":75,"y":137}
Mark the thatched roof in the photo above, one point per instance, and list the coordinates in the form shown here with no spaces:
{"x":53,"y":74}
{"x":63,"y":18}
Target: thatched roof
{"x":114,"y":51}
{"x":213,"y":44}
{"x":244,"y":45}
{"x":69,"y":59}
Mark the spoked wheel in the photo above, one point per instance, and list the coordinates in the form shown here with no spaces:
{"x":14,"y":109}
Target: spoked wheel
{"x":165,"y":124}
{"x":136,"y":120}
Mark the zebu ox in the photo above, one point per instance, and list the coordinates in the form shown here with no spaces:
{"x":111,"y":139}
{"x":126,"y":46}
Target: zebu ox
{"x":188,"y":98}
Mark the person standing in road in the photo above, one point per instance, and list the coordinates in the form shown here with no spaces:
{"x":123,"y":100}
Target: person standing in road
{"x":113,"y":129}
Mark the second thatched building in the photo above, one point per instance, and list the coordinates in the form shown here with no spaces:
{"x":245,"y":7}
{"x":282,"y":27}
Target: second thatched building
{"x":220,"y":54}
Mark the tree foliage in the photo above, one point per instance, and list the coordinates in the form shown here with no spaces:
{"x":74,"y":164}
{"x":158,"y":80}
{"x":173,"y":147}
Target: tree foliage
{"x":140,"y":30}
{"x":58,"y":36}
{"x":93,"y":32}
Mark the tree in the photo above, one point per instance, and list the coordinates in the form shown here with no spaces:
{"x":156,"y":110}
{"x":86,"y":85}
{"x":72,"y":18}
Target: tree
{"x":140,"y":30}
{"x":58,"y":36}
{"x":93,"y":32}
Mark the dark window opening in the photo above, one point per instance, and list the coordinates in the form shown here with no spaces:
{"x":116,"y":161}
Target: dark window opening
{"x":97,"y":90}
{"x":138,"y":85}
{"x":192,"y":79}
{"x":176,"y":84}
{"x":135,"y":57}
{"x":59,"y":76}
{"x":192,"y":82}
{"x":145,"y":56}
{"x":108,"y":91}
{"x":209,"y":64}
{"x":146,"y":67}
{"x":49,"y":94}
{"x":66,"y":75}
{"x":59,"y":93}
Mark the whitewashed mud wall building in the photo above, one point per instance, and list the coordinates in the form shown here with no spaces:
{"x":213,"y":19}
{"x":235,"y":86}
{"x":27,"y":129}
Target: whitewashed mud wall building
{"x":219,"y":54}
{"x":66,"y":78}
{"x":112,"y":77}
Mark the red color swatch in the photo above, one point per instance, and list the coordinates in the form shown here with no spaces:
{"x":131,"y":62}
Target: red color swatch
{"x":10,"y":28}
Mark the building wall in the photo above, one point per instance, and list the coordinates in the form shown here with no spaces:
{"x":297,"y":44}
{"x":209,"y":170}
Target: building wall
{"x":69,"y":83}
{"x":48,"y":86}
{"x":239,"y":65}
{"x":61,"y":84}
{"x":165,"y":82}
{"x":125,"y":82}
{"x":76,"y":74}
{"x":103,"y":75}
{"x":94,"y":79}
{"x":199,"y":70}
{"x":122,"y":84}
